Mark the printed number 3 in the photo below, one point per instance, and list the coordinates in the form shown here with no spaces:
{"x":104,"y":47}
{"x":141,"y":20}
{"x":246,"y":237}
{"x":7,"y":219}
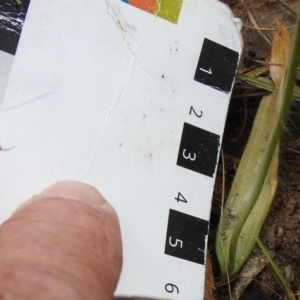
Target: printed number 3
{"x":176,"y":242}
{"x":189,"y":156}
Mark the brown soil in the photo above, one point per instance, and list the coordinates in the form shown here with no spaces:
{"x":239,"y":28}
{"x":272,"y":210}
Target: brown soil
{"x":281,"y":230}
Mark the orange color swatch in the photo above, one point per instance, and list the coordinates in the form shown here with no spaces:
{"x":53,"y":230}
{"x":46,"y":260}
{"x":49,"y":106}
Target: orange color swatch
{"x":146,"y":5}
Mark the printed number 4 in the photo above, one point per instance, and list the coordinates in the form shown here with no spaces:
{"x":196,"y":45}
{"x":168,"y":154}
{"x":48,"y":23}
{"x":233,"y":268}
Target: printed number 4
{"x":180,"y":198}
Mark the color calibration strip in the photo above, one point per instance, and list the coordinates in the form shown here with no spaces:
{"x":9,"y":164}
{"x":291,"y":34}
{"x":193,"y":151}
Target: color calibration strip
{"x":165,"y":9}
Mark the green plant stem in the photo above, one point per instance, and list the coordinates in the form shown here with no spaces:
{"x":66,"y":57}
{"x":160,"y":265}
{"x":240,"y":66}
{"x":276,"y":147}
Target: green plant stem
{"x":287,"y":91}
{"x":242,"y":198}
{"x":264,"y":84}
{"x":290,"y":78}
{"x":276,"y":270}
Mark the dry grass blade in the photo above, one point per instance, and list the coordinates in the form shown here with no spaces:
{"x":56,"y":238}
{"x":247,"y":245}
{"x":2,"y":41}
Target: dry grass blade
{"x":280,"y":54}
{"x":256,"y":25}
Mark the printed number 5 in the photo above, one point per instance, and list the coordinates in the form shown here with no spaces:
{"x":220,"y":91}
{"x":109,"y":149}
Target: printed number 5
{"x":176,"y":242}
{"x":189,"y":156}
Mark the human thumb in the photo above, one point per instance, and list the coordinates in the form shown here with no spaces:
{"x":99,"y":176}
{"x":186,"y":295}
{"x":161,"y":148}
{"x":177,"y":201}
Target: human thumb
{"x":63,"y":244}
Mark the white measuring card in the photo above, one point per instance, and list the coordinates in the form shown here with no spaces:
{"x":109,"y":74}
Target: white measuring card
{"x":131,"y":97}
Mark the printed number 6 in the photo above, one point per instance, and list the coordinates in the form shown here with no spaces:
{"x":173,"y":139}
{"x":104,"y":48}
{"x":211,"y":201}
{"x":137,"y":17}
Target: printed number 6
{"x":169,"y":287}
{"x":189,"y":156}
{"x":176,"y":242}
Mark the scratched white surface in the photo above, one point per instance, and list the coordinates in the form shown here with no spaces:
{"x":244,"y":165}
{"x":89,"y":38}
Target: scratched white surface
{"x":6,"y":61}
{"x":86,"y":101}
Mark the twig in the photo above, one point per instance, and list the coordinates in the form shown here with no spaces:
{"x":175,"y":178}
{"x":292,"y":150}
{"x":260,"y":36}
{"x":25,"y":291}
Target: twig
{"x":287,"y":8}
{"x":256,"y":25}
{"x":264,"y":29}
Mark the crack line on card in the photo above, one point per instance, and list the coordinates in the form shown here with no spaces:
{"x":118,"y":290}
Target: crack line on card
{"x":29,"y":101}
{"x":108,"y":117}
{"x":124,"y":28}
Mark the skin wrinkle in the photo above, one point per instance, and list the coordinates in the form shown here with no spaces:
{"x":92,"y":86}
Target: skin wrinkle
{"x":50,"y":277}
{"x":80,"y":226}
{"x":72,"y":236}
{"x":107,"y":238}
{"x":74,"y":260}
{"x":93,"y":209}
{"x":41,"y":220}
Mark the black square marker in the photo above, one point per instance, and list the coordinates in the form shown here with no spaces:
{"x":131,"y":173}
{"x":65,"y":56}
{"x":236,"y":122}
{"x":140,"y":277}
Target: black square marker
{"x":216,"y":66}
{"x":198,"y":150}
{"x":186,"y":237}
{"x":11,"y":24}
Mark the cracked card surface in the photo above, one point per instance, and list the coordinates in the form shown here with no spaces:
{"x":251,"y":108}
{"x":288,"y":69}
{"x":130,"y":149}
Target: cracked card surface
{"x":107,"y":93}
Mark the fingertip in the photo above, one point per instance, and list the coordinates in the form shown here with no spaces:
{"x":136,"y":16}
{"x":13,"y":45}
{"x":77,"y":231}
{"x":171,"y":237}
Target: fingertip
{"x":73,"y":190}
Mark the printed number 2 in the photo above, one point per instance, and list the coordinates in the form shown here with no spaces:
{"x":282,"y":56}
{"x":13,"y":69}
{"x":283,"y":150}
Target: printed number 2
{"x":189,"y":156}
{"x":176,"y":243}
{"x":192,"y":110}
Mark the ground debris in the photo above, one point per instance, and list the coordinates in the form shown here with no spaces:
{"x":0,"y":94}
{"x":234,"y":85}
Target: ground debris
{"x":253,"y":266}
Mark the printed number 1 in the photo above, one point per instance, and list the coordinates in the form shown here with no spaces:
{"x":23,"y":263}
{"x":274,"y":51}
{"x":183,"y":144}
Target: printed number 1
{"x":208,"y":72}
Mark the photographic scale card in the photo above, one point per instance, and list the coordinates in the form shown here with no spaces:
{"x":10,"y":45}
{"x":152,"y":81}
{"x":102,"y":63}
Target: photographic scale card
{"x":130,"y":96}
